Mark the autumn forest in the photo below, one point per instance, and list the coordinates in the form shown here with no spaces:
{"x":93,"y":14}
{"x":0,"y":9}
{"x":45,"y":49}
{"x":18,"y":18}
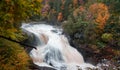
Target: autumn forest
{"x":92,"y":27}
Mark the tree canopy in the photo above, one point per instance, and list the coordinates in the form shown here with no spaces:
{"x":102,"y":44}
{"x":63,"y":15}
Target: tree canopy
{"x":13,"y":12}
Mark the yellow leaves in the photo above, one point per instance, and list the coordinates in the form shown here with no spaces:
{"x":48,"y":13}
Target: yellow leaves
{"x":39,"y":1}
{"x":11,"y":30}
{"x":32,"y":5}
{"x":12,"y":57}
{"x":36,"y":6}
{"x":20,"y":9}
{"x":11,"y":34}
{"x":101,"y":13}
{"x":107,"y":37}
{"x":36,"y":11}
{"x":15,"y":11}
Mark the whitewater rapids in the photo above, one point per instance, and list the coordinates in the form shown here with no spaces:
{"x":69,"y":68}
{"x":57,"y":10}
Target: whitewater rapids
{"x":53,"y":49}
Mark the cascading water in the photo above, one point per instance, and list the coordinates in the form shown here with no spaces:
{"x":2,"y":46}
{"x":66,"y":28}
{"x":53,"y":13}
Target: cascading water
{"x":53,"y":48}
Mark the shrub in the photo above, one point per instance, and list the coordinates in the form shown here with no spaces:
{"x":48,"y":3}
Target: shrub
{"x":12,"y":56}
{"x":100,"y":12}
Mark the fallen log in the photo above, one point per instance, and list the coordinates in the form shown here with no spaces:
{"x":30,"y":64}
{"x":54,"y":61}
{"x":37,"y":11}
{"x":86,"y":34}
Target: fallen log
{"x":21,"y":43}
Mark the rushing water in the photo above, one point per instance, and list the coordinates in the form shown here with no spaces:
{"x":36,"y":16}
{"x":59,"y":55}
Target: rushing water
{"x":53,"y":49}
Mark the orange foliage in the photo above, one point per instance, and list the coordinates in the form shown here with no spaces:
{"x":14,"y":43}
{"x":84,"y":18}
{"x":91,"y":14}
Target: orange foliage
{"x":101,"y":13}
{"x":60,"y":16}
{"x":82,"y":8}
{"x":7,"y":1}
{"x":75,"y":3}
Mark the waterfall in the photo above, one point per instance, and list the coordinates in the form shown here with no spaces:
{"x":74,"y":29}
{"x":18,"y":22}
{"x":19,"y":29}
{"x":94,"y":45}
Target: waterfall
{"x":53,"y":49}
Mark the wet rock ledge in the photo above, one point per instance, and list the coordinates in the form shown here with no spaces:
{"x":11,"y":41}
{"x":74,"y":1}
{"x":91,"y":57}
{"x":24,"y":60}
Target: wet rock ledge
{"x":36,"y":67}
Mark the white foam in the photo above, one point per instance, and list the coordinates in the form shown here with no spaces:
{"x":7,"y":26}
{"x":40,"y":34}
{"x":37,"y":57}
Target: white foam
{"x":57,"y":52}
